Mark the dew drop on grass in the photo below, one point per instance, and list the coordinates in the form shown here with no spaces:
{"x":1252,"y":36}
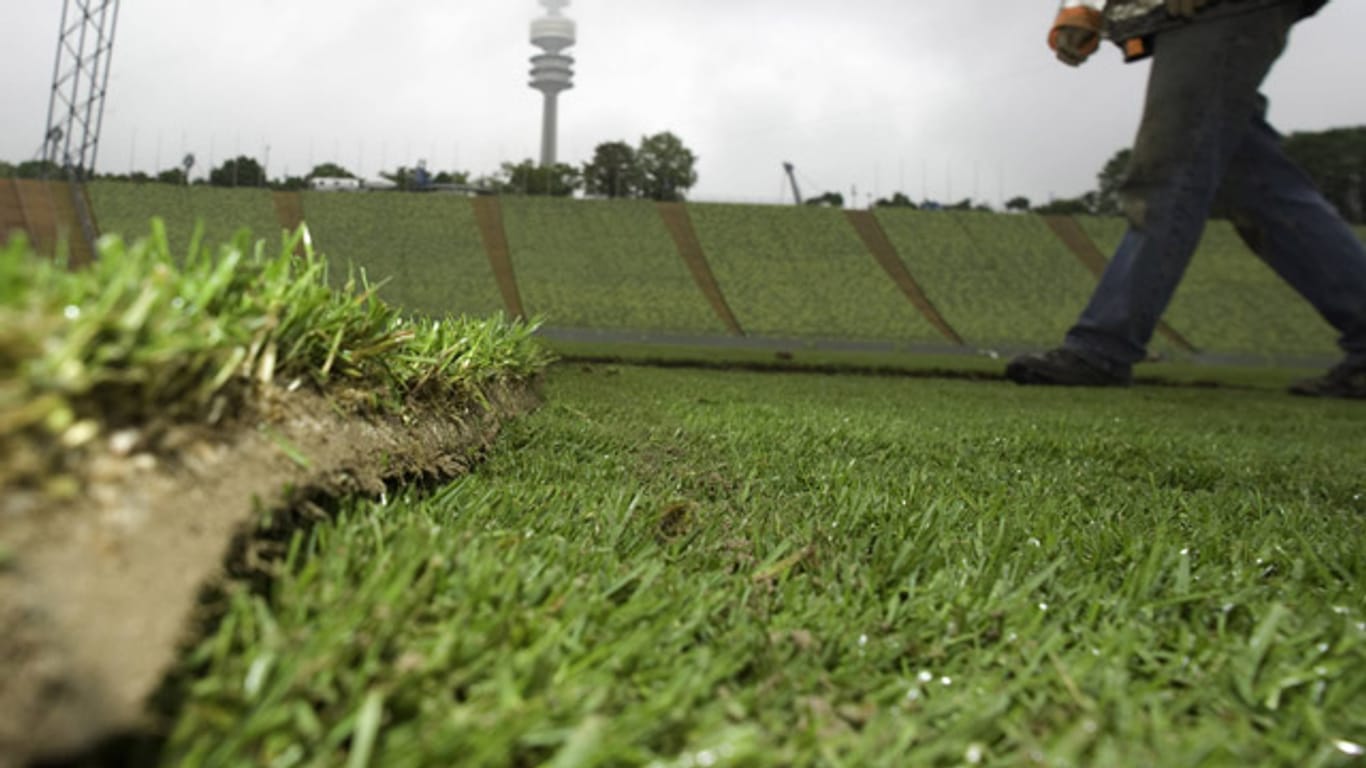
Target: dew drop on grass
{"x":862,"y":640}
{"x":974,"y":754}
{"x":1043,"y":606}
{"x":924,"y":676}
{"x":1323,"y":647}
{"x":946,"y":681}
{"x":1033,"y":542}
{"x":72,"y":312}
{"x":1185,"y":551}
{"x":1349,"y":748}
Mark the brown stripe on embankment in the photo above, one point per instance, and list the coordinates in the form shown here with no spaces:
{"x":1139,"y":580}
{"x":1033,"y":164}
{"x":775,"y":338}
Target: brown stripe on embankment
{"x":679,"y":224}
{"x":12,"y":217}
{"x":289,"y":211}
{"x":488,"y":214}
{"x":882,"y":249}
{"x":64,"y":198}
{"x":1080,"y":244}
{"x":46,"y":210}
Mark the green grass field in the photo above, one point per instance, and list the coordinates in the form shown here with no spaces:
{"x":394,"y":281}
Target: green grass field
{"x":125,"y":209}
{"x":683,"y":568}
{"x":803,"y":272}
{"x":998,"y":280}
{"x":426,"y":248}
{"x":1231,"y":302}
{"x":602,"y":265}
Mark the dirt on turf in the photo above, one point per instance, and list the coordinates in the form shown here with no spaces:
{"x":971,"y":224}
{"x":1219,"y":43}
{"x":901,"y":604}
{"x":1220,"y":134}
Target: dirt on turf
{"x":99,"y":594}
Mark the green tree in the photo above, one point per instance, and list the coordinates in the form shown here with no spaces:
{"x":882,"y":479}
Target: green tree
{"x":530,"y":178}
{"x":897,"y":200}
{"x":614,"y":171}
{"x":1071,"y":206}
{"x":1336,"y":161}
{"x":39,"y":169}
{"x":1018,"y":203}
{"x":329,"y":171}
{"x":1109,"y":181}
{"x":240,"y":171}
{"x":452,"y":177}
{"x":668,"y":168}
{"x":173,"y":176}
{"x":7,"y":170}
{"x":828,"y":200}
{"x":404,"y":178}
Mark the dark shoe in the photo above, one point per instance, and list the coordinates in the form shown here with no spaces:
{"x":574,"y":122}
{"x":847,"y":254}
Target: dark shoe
{"x":1347,"y":380}
{"x":1063,"y":368}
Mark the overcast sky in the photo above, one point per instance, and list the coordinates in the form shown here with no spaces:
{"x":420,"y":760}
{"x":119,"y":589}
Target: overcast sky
{"x":939,"y":98}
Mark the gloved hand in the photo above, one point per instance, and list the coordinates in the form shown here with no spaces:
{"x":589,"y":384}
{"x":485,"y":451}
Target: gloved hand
{"x":1075,"y":45}
{"x":1076,"y":34}
{"x":1185,"y":8}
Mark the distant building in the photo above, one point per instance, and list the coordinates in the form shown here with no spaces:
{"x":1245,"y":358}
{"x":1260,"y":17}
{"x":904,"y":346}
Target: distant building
{"x":334,"y":184}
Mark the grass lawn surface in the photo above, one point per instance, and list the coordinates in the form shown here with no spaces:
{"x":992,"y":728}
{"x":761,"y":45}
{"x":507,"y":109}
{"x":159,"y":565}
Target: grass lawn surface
{"x":602,"y":264}
{"x":689,"y":568}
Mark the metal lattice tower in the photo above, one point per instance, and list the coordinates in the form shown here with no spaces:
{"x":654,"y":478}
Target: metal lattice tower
{"x":80,"y":78}
{"x":552,"y":71}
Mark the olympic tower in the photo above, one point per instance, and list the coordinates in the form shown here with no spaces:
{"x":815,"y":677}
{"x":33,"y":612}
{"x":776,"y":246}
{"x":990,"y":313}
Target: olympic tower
{"x":553,"y":71}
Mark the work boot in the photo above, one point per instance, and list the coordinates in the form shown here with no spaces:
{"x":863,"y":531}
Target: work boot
{"x":1062,"y":367}
{"x":1347,"y":380}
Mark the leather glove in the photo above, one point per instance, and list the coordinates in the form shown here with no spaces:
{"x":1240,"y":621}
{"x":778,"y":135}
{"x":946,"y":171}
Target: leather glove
{"x":1075,"y":45}
{"x":1076,"y":34}
{"x":1185,"y":8}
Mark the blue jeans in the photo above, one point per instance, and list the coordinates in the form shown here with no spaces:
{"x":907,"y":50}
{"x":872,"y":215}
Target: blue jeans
{"x":1204,"y":136}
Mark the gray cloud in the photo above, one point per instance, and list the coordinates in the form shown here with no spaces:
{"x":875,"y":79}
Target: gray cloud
{"x":946,"y":97}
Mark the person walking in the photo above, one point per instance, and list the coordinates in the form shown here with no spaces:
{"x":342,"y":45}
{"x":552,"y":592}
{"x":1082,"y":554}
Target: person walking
{"x":1204,"y":136}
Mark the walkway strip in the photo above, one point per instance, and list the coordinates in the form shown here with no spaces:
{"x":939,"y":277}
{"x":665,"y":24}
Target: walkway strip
{"x":1080,"y":244}
{"x":12,"y":217}
{"x":488,"y":214}
{"x":880,"y":246}
{"x":47,"y":211}
{"x":679,"y":224}
{"x":289,"y":211}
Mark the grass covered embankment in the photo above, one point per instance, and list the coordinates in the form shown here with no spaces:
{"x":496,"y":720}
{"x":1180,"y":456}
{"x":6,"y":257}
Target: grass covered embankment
{"x":684,"y":568}
{"x":152,"y":404}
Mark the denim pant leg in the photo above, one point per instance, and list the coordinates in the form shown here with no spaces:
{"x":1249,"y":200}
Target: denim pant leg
{"x":1286,"y":221}
{"x":1201,"y":101}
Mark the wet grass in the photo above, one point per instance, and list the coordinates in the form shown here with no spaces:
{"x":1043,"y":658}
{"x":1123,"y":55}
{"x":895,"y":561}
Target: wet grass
{"x":148,"y":333}
{"x":692,"y":568}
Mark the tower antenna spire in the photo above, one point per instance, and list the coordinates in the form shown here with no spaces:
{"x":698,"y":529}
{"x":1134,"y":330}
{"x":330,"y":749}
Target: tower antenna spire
{"x":552,"y":71}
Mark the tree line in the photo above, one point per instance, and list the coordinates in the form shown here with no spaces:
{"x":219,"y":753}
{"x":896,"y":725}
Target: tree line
{"x":1335,"y":159}
{"x":660,"y":167}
